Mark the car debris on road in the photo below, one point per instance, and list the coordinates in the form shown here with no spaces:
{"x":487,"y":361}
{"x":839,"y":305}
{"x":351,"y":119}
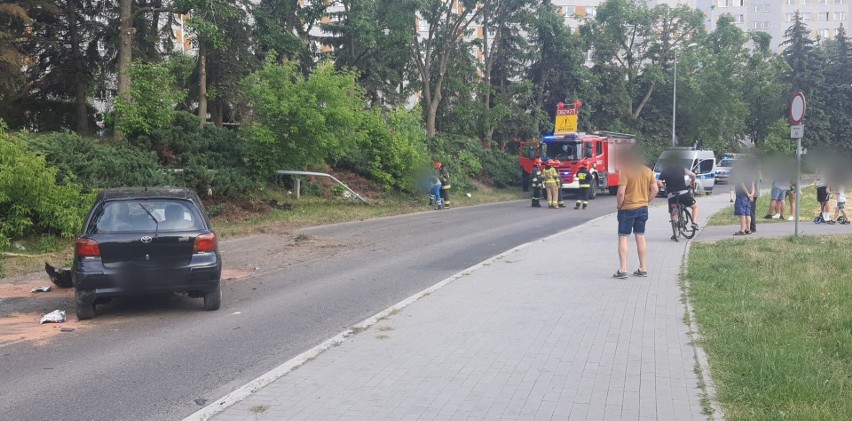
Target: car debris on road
{"x":46,"y":288}
{"x":55,"y":316}
{"x":61,"y":277}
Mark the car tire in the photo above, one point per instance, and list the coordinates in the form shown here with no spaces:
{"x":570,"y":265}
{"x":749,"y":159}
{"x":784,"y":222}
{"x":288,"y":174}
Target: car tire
{"x":593,"y":194}
{"x":213,"y":299}
{"x":84,"y":308}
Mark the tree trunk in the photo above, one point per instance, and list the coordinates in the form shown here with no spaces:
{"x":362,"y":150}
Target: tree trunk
{"x":202,"y":83}
{"x":431,"y":114}
{"x":125,"y":51}
{"x":217,"y":111}
{"x":79,"y":71}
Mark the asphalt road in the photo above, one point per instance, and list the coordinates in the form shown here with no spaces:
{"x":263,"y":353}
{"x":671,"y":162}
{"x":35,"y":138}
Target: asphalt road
{"x":152,"y":360}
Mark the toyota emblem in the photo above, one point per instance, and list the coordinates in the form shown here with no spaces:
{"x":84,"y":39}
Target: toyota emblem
{"x":146,"y":239}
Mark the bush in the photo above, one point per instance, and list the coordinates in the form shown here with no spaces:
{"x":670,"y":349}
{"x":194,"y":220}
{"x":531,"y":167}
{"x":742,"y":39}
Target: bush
{"x":31,"y":199}
{"x":211,"y":157}
{"x":153,"y":95}
{"x":499,"y":167}
{"x":98,"y":165}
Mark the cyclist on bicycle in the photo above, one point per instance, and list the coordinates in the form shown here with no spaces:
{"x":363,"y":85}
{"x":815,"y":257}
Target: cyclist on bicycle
{"x":673,"y":178}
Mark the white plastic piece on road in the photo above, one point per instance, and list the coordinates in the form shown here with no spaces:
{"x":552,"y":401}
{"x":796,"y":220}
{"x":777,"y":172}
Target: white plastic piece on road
{"x":55,"y":316}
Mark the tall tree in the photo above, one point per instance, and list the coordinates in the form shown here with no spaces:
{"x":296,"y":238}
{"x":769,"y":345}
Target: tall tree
{"x":839,"y":94}
{"x":763,"y":90}
{"x":446,"y":24}
{"x":14,"y":20}
{"x":806,"y":73}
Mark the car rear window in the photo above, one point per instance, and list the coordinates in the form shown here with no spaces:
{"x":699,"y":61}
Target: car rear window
{"x":139,"y":216}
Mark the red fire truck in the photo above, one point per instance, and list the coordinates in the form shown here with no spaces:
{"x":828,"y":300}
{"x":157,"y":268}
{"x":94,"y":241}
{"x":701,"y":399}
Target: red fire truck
{"x":599,"y":152}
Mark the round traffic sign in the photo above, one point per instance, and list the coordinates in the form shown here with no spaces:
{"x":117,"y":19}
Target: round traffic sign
{"x":797,"y":108}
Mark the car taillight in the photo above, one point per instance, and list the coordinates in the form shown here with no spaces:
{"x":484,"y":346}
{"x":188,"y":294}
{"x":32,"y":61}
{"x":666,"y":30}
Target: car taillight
{"x":86,"y":247}
{"x":205,"y":243}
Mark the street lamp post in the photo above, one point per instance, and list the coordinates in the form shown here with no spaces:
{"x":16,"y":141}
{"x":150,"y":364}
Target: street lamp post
{"x":674,"y":96}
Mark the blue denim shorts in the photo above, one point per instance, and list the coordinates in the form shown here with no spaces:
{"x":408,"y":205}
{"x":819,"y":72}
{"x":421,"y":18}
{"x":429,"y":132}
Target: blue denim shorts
{"x":778,"y":194}
{"x":632,"y":221}
{"x":742,"y":207}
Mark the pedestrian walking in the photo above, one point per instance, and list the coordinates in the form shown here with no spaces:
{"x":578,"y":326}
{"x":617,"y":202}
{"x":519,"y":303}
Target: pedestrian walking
{"x":756,"y":178}
{"x":637,"y":186}
{"x":551,"y":184}
{"x":823,"y":194}
{"x":444,"y":177}
{"x":537,"y":182}
{"x":584,"y":179}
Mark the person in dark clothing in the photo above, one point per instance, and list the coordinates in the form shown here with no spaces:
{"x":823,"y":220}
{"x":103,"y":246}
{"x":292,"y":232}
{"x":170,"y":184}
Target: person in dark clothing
{"x":584,"y":179}
{"x":537,"y":183}
{"x":674,"y":177}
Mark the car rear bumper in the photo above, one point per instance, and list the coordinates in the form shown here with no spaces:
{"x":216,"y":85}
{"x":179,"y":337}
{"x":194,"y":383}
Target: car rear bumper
{"x":202,"y":275}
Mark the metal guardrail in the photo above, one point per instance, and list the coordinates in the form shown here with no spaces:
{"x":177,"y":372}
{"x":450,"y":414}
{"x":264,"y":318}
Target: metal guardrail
{"x":321,"y":174}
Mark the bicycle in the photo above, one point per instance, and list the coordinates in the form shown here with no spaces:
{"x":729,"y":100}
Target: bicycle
{"x":682,"y":222}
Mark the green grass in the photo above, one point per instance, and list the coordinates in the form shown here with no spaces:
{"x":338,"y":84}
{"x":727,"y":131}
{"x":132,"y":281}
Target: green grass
{"x":776,"y":320}
{"x":311,"y":211}
{"x":810,"y":209}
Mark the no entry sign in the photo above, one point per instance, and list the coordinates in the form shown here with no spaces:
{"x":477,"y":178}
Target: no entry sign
{"x":797,"y":108}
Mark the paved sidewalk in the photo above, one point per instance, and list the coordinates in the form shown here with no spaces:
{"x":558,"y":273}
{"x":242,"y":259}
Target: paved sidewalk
{"x":543,"y":332}
{"x":770,"y":230}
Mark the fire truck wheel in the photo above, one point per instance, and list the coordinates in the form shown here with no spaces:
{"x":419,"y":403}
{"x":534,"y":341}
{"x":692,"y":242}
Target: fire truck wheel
{"x":593,"y":194}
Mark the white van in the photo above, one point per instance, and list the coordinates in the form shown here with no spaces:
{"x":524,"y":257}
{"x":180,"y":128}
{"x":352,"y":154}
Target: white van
{"x":701,"y":162}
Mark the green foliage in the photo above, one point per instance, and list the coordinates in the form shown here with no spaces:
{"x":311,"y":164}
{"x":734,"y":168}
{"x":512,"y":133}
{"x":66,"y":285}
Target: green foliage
{"x":466,"y":159}
{"x":301,"y":121}
{"x":97,"y":165}
{"x":153,"y":96}
{"x":393,"y":150}
{"x":210,"y":157}
{"x":778,"y":140}
{"x":31,"y":199}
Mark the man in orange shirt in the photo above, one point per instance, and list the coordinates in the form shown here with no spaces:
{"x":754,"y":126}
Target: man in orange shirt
{"x":637,"y":186}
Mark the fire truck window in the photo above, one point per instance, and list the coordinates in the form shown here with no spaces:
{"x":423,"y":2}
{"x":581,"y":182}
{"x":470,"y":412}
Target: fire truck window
{"x":589,"y":148}
{"x":530,"y":151}
{"x":600,"y":148}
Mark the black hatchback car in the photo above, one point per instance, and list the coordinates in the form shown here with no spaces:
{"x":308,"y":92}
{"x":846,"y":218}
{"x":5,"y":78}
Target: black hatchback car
{"x":139,"y":241}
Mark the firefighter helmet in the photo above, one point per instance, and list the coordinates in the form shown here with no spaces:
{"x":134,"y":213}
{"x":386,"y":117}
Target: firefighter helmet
{"x":557,"y":162}
{"x":537,"y":162}
{"x":438,"y":165}
{"x":550,"y":162}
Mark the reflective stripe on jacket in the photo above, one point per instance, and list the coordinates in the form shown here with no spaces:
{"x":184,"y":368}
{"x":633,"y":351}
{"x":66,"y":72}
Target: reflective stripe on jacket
{"x":551,"y":176}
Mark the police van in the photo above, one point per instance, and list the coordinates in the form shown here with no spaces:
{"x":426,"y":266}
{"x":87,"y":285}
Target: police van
{"x":701,"y":162}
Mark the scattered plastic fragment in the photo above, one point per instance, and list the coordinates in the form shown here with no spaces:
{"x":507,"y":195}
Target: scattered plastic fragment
{"x":201,"y":402}
{"x":42,"y":289}
{"x":67,"y":329}
{"x":55,"y":316}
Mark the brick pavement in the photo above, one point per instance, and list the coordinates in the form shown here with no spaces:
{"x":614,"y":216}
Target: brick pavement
{"x":543,"y":332}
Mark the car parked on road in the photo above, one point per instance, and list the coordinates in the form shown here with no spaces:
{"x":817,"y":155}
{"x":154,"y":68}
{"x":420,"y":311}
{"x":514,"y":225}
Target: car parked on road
{"x":139,"y":241}
{"x":724,"y":167}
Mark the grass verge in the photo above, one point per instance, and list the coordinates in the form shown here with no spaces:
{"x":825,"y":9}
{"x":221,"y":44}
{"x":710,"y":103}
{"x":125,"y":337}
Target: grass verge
{"x":776,"y":325}
{"x":311,"y":211}
{"x":810,"y":209}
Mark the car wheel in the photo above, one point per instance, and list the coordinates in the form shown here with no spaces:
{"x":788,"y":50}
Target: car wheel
{"x":84,"y":307}
{"x":594,"y":193}
{"x":213,"y":299}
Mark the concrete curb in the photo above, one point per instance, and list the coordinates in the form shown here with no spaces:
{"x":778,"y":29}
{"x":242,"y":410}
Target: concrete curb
{"x":282,"y":370}
{"x":704,"y":375}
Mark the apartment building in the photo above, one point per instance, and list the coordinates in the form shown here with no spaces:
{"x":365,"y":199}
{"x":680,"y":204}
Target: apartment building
{"x":823,"y":17}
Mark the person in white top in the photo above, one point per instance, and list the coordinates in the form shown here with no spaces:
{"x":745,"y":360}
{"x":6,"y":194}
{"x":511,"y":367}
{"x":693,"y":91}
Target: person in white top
{"x":840,"y":213}
{"x":823,"y":194}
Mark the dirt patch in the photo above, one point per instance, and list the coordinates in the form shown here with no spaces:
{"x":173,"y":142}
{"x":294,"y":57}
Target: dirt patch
{"x":17,"y":327}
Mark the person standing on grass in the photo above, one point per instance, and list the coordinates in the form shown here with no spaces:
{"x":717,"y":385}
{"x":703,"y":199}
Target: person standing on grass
{"x":791,"y":198}
{"x":780,"y":186}
{"x":637,"y":186}
{"x":744,"y":191}
{"x":444,"y":177}
{"x":756,"y":177}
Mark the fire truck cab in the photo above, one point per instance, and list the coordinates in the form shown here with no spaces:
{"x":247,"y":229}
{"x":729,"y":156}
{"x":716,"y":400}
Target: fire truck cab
{"x":599,"y":152}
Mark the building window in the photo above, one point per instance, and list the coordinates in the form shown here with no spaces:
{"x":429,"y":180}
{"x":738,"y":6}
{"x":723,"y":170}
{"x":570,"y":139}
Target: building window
{"x":824,"y":16}
{"x":592,"y":11}
{"x":839,"y":1}
{"x":791,"y":2}
{"x":791,"y":17}
{"x":760,"y":25}
{"x":824,"y":33}
{"x":738,"y":3}
{"x":739,"y":18}
{"x":569,"y":10}
{"x":839,"y":15}
{"x":724,"y":3}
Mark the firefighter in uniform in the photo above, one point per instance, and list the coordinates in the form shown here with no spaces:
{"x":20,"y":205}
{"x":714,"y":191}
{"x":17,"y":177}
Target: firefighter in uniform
{"x":551,"y":183}
{"x":536,"y":181}
{"x":560,"y":203}
{"x":444,"y":177}
{"x":435,"y":193}
{"x":584,"y":178}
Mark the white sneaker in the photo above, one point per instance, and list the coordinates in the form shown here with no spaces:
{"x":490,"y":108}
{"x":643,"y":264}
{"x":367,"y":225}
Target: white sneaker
{"x":776,"y":216}
{"x":792,"y":218}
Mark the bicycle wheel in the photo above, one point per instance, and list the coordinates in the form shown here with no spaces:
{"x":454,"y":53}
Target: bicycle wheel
{"x":675,"y":225}
{"x":687,"y":229}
